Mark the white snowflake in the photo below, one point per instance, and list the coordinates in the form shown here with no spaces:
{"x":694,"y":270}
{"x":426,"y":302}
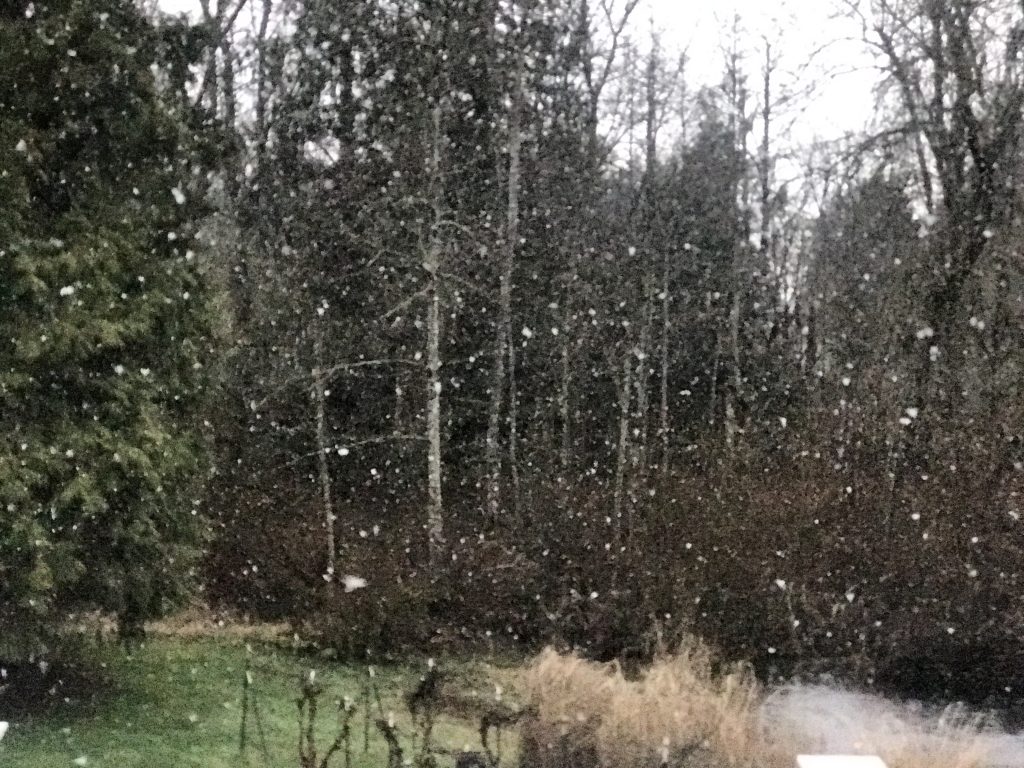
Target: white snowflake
{"x":352,"y":583}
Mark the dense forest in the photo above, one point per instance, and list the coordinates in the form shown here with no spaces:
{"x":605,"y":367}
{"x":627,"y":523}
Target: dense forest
{"x":480,"y":321}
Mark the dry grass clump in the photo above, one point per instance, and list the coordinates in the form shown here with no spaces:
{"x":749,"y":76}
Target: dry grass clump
{"x":678,"y":712}
{"x":685,"y":712}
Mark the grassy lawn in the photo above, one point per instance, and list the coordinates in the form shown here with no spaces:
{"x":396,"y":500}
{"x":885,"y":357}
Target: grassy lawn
{"x":178,"y":702}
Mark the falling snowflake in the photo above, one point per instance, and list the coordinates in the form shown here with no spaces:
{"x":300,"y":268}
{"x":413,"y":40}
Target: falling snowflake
{"x":352,"y":583}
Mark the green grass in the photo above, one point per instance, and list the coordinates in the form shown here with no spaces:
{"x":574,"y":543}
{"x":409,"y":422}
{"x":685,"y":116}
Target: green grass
{"x":177,"y":702}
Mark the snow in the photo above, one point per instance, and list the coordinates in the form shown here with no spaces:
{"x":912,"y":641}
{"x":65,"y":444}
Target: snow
{"x":352,"y":583}
{"x":827,"y":719}
{"x":839,"y":761}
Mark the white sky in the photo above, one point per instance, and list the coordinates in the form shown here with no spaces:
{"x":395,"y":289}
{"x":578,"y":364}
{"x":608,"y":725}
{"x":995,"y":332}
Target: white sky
{"x":811,"y":35}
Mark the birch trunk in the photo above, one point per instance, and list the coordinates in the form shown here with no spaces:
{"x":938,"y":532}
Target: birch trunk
{"x":432,"y":263}
{"x":322,"y":447}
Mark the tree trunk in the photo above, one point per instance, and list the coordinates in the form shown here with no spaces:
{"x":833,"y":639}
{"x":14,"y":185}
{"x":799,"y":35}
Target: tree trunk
{"x":642,"y":385}
{"x":505,"y":352}
{"x":322,"y":445}
{"x":564,"y":394}
{"x":435,"y":508}
{"x":716,"y":361}
{"x":733,"y":393}
{"x":623,"y":448}
{"x":666,"y":327}
{"x":494,"y":426}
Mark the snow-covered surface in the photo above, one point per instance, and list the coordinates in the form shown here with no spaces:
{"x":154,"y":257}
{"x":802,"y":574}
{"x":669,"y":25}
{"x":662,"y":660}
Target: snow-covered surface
{"x":839,"y":761}
{"x":827,"y":720}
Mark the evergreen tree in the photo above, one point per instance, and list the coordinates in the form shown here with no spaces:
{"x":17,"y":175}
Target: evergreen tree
{"x":104,"y":328}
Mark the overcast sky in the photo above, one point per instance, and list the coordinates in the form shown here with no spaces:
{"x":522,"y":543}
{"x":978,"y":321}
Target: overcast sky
{"x":812,"y":38}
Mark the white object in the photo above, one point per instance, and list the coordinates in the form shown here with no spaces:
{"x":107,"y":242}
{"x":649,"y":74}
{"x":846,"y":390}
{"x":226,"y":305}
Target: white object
{"x":839,"y":761}
{"x":352,"y":583}
{"x":4,"y":725}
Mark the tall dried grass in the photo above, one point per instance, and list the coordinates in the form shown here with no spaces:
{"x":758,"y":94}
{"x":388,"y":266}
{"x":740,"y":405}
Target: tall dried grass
{"x":685,"y":711}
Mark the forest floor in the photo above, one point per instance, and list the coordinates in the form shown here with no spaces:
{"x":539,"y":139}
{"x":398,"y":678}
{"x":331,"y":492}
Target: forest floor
{"x":178,"y":701}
